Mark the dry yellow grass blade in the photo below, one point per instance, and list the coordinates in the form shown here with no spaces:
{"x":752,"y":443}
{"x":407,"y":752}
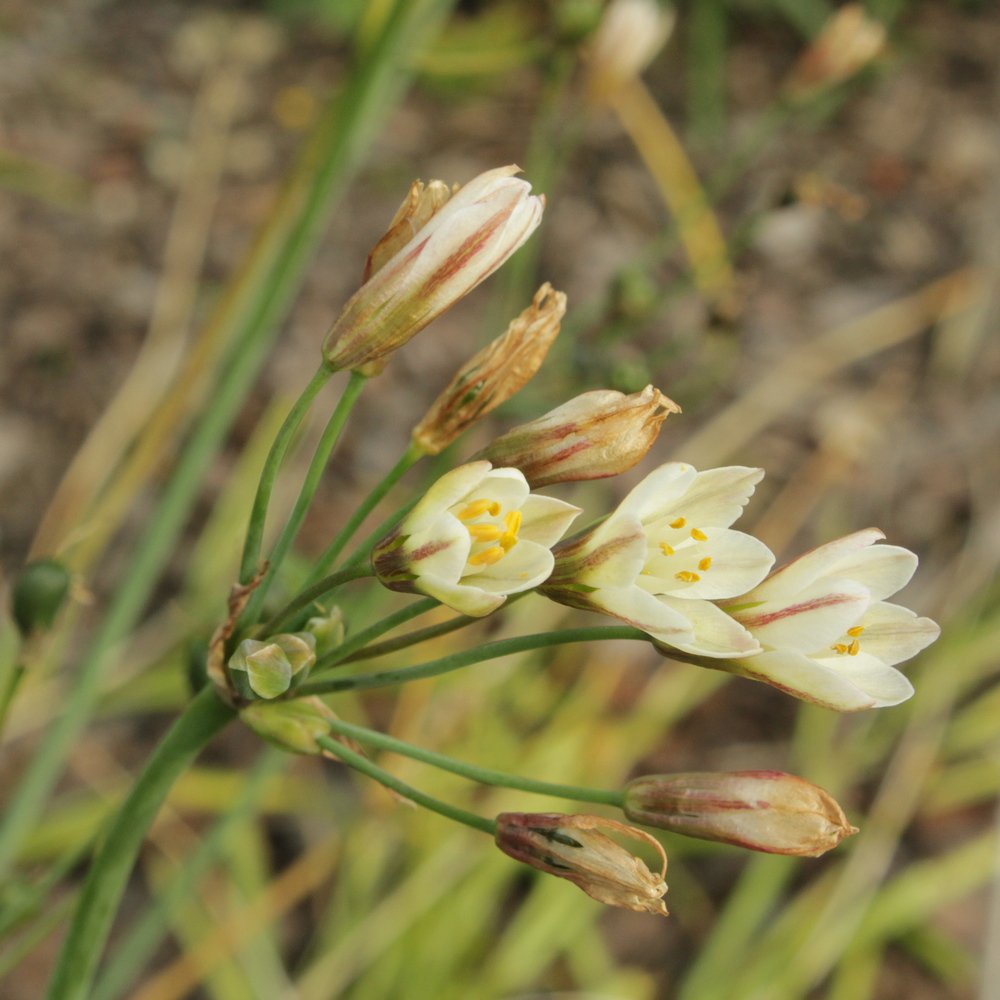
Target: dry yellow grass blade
{"x":664,"y":156}
{"x":296,"y":882}
{"x":791,"y":380}
{"x":187,"y":239}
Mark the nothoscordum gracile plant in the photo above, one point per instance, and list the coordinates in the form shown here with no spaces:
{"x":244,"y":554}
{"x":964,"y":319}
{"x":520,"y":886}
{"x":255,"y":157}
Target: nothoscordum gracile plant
{"x":666,"y":563}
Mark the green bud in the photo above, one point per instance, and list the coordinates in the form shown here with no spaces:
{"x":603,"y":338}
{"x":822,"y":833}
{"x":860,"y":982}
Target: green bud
{"x":290,"y":725}
{"x":260,"y":669}
{"x":300,"y":649}
{"x":327,"y":630}
{"x":39,"y":592}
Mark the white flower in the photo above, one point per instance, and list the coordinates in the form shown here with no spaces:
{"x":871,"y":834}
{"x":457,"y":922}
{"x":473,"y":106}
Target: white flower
{"x":661,"y":559}
{"x":477,"y":535}
{"x":829,"y":635}
{"x":465,"y":241}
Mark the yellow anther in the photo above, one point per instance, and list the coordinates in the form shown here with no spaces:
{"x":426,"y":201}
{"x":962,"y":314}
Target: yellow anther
{"x":508,"y":540}
{"x":854,"y":648}
{"x":477,"y":507}
{"x":839,"y":648}
{"x":856,"y":631}
{"x":679,"y":523}
{"x":706,"y":563}
{"x":513,"y":521}
{"x":487,"y":557}
{"x":666,"y":549}
{"x":485,"y":532}
{"x":698,"y":535}
{"x":687,"y":576}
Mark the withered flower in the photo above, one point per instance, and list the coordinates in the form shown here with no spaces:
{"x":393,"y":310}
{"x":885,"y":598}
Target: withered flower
{"x":762,"y":810}
{"x":573,"y":848}
{"x":593,"y":436}
{"x":494,"y":374}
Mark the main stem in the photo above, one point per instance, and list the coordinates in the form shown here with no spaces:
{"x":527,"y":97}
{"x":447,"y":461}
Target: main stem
{"x":316,"y":469}
{"x":489,"y":651}
{"x":483,"y":775}
{"x":205,"y":716}
{"x":313,"y":593}
{"x":365,"y":766}
{"x":258,"y":513}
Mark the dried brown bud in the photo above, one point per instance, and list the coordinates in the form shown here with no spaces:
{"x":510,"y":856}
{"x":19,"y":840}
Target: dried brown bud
{"x":421,"y":203}
{"x":494,"y":374}
{"x":571,"y":847}
{"x":762,"y":810}
{"x":850,"y":39}
{"x":595,"y":435}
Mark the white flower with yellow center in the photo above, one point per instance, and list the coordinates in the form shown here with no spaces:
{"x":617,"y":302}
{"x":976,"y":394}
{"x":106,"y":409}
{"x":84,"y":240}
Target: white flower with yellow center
{"x":661,"y":559}
{"x":829,"y":636}
{"x":477,"y":535}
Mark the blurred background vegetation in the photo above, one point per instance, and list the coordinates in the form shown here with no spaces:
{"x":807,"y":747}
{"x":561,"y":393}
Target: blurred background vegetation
{"x":188,"y":192}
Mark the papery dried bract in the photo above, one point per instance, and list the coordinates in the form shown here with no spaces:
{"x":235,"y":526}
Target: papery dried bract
{"x":494,"y":374}
{"x":573,"y":848}
{"x":850,"y":39}
{"x":761,"y":810}
{"x":628,"y":38}
{"x":464,"y":242}
{"x":593,"y":436}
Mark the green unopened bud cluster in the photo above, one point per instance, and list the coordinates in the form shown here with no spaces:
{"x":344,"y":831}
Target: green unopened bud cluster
{"x":267,"y":669}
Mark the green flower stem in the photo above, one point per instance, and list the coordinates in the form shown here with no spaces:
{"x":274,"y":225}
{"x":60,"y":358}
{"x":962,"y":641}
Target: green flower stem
{"x":10,"y":684}
{"x":81,"y":950}
{"x":317,"y":467}
{"x":387,"y":624}
{"x":489,"y":651}
{"x":365,"y":766}
{"x":258,"y":513}
{"x":483,"y":775}
{"x":147,"y":933}
{"x":306,"y":597}
{"x":251,"y":313}
{"x":364,"y":550}
{"x":410,"y":457}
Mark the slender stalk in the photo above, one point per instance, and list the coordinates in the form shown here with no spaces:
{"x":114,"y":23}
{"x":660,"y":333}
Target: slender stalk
{"x":387,"y":624}
{"x":363,"y":551}
{"x":412,"y":455}
{"x":258,"y":513}
{"x":10,"y":685}
{"x":483,"y":775}
{"x":205,"y":716}
{"x":489,"y":651}
{"x":317,"y":467}
{"x":306,"y":597}
{"x":365,"y":766}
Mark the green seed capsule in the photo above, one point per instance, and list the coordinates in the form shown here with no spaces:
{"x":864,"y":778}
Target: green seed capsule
{"x":39,"y":592}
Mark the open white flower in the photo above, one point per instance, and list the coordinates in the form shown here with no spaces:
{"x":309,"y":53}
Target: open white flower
{"x":829,"y":636}
{"x":477,"y":535}
{"x":661,"y":559}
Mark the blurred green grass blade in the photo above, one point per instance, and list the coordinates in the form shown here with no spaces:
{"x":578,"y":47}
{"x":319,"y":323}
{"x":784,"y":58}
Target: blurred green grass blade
{"x":807,"y":16}
{"x":264,"y":292}
{"x":939,"y":952}
{"x":856,"y":974}
{"x":705,"y":59}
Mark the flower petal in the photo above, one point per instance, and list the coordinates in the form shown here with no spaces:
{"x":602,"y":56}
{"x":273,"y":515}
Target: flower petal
{"x":805,"y":678}
{"x":658,"y":493}
{"x":715,"y":632}
{"x":441,"y":549}
{"x":525,"y":566}
{"x":883,"y":569}
{"x":641,"y":610}
{"x":545,"y":519}
{"x":894,"y":634}
{"x":447,"y":491}
{"x":885,"y":684}
{"x":716,"y":497}
{"x":738,"y":563}
{"x":800,"y":573}
{"x":459,"y":597}
{"x":507,"y":486}
{"x":616,"y":552}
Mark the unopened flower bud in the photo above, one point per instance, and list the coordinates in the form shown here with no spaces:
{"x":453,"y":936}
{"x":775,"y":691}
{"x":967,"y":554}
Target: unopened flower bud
{"x":572,"y":848}
{"x":593,"y":436}
{"x":419,"y":206}
{"x":39,"y":592}
{"x":494,"y":374}
{"x":850,"y":39}
{"x":464,"y":242}
{"x":328,"y":630}
{"x":290,"y":725}
{"x":267,"y":669}
{"x":627,"y":40}
{"x":762,"y":810}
